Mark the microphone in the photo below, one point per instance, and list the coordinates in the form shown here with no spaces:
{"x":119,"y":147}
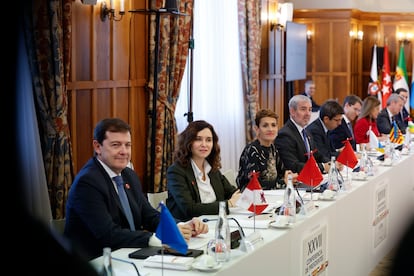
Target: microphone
{"x":235,"y":220}
{"x":128,"y":262}
{"x":245,"y":244}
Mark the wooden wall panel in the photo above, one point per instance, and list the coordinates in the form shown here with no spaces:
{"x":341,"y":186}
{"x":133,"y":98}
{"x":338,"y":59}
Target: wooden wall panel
{"x":322,"y":83}
{"x":82,"y":46}
{"x":340,"y":47}
{"x":108,"y":78}
{"x":321,"y":42}
{"x":339,"y":88}
{"x":81,"y":132}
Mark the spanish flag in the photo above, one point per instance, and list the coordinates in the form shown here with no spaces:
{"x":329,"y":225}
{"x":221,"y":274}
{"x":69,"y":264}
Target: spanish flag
{"x":396,"y":136}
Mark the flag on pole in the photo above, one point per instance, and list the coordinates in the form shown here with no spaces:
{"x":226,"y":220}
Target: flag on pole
{"x":396,"y":135}
{"x":310,"y":174}
{"x":373,"y":86}
{"x":374,"y":143}
{"x":168,"y":232}
{"x":252,"y":198}
{"x":386,"y":78}
{"x":373,"y":140}
{"x":347,"y":156}
{"x":401,"y":77}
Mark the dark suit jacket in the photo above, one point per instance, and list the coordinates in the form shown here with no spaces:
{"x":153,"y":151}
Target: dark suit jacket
{"x":315,"y":106}
{"x":402,"y":119}
{"x":94,"y":215}
{"x":340,"y":134}
{"x":292,"y":150}
{"x":184,"y":197}
{"x":321,"y":139}
{"x":384,"y":125}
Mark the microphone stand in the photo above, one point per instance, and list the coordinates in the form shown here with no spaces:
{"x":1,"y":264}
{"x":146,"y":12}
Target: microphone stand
{"x":245,"y":244}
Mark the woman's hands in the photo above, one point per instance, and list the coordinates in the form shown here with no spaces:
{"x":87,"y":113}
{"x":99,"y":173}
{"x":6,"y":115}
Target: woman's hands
{"x":192,"y":228}
{"x":234,"y":198}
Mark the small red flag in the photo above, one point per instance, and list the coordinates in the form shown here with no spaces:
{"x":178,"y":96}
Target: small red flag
{"x":310,"y":174}
{"x":347,"y":156}
{"x":252,"y":198}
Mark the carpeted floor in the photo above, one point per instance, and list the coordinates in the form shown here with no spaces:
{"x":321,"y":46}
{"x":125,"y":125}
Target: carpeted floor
{"x":384,"y":266}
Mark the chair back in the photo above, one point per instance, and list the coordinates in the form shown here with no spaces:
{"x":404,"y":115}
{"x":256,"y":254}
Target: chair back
{"x":155,"y":198}
{"x":231,"y":177}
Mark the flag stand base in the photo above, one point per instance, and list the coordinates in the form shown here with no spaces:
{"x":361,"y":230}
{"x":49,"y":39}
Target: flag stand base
{"x":250,"y":242}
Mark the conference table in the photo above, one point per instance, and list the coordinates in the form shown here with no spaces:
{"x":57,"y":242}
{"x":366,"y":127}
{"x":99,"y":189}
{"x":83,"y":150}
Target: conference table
{"x":345,"y":236}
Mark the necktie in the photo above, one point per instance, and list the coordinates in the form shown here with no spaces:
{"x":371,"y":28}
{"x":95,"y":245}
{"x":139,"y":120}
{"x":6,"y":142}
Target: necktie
{"x":305,"y":141}
{"x":350,"y":129}
{"x":124,"y":200}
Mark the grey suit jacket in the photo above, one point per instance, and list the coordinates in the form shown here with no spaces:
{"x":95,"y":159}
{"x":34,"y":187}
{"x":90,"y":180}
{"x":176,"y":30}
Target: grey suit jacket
{"x":184,"y":200}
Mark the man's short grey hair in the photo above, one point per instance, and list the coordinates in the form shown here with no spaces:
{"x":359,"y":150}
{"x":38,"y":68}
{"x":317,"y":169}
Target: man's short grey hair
{"x":394,"y":97}
{"x":295,"y":100}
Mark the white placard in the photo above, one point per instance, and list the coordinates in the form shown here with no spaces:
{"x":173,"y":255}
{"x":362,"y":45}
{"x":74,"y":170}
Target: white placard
{"x":381,"y":210}
{"x":314,"y":248}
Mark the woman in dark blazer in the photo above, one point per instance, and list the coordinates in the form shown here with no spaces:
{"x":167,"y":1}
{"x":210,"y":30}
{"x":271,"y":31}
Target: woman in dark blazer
{"x":194,"y":181}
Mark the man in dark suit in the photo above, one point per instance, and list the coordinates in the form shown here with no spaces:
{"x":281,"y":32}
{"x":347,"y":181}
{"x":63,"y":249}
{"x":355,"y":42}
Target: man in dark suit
{"x":387,"y":115}
{"x":310,"y":89}
{"x":330,"y":117}
{"x":95,"y":216}
{"x":290,"y":141}
{"x":352,"y":107}
{"x":404,"y":116}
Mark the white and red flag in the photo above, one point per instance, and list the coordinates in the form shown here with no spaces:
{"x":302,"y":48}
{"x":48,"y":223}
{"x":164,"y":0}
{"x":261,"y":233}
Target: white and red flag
{"x":386,"y":88}
{"x":252,"y":198}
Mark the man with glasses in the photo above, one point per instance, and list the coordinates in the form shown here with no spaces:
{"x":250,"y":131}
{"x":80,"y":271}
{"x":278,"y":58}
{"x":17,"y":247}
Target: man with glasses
{"x":404,"y":116}
{"x":330,"y":117}
{"x":352,"y":108}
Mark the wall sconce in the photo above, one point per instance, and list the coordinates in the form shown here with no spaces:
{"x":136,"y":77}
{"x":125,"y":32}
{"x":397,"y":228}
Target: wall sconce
{"x":284,"y":13}
{"x":359,"y":35}
{"x":404,"y":38}
{"x":309,"y":34}
{"x":109,"y":12}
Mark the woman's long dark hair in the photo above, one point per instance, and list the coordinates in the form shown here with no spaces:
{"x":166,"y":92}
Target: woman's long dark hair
{"x":183,"y":153}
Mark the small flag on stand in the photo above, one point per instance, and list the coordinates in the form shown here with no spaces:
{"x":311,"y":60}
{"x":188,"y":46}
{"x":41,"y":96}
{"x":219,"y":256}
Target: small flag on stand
{"x":347,"y":155}
{"x":396,"y":135}
{"x":374,"y":143}
{"x":252,"y":198}
{"x":168,"y":232}
{"x":310,"y":174}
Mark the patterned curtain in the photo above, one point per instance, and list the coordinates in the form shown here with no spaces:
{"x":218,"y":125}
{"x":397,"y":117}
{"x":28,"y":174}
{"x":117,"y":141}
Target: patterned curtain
{"x":173,"y":51}
{"x":250,"y":43}
{"x":48,"y":35}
